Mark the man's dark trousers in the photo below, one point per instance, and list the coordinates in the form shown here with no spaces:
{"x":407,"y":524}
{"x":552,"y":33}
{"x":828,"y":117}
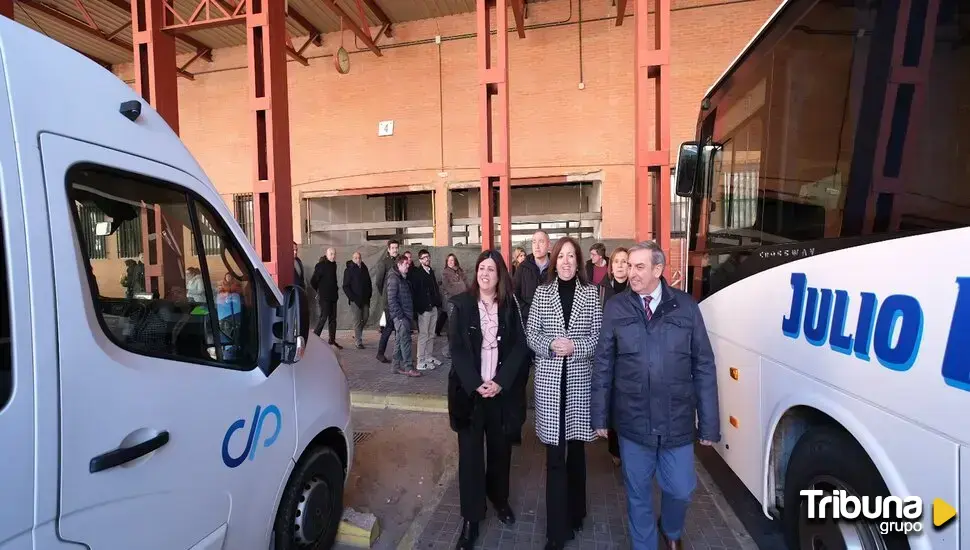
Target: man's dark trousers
{"x":328,"y":311}
{"x":386,"y":331}
{"x":674,"y":469}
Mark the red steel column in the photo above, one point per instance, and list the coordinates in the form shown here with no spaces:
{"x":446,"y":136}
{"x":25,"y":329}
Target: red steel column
{"x":272,"y":194}
{"x":653,"y":159}
{"x":6,"y":8}
{"x":156,"y":80}
{"x":494,"y":146}
{"x":154,"y":61}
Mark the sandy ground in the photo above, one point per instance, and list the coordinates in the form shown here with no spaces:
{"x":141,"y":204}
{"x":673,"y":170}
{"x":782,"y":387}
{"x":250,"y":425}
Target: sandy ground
{"x":398,"y":468}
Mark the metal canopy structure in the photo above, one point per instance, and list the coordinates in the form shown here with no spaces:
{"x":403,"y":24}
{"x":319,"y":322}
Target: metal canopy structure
{"x":152,"y":34}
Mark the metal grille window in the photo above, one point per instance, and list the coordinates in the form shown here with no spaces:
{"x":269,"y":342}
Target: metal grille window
{"x":243,"y":207}
{"x":129,"y":239}
{"x":210,"y":238}
{"x":89,"y":217}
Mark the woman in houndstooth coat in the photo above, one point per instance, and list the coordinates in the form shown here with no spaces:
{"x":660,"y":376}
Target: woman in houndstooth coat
{"x":564,"y":326}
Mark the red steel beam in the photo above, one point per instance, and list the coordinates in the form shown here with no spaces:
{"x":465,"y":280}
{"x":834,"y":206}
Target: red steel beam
{"x":518,"y":13}
{"x":349,"y":22}
{"x":125,"y":5}
{"x":380,"y":14}
{"x":208,"y":14}
{"x":620,"y":12}
{"x":81,"y":26}
{"x":652,"y":180}
{"x":494,"y":145}
{"x":6,"y":8}
{"x":316,"y":35}
{"x":902,"y":74}
{"x":156,"y":81}
{"x":272,"y":188}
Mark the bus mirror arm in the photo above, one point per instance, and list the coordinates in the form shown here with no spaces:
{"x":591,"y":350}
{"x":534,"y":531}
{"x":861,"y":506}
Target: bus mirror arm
{"x":295,"y":313}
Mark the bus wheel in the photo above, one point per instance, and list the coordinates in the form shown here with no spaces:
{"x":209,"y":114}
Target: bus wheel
{"x":830,"y":459}
{"x":312,"y":505}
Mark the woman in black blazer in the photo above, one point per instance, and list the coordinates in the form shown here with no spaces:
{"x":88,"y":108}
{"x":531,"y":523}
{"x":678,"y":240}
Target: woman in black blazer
{"x":488,"y":346}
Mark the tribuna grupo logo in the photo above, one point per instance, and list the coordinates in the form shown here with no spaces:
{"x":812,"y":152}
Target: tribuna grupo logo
{"x":890,"y":514}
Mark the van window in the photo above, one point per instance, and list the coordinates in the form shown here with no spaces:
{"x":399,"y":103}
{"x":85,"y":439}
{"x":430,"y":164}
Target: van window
{"x":169,"y":280}
{"x":6,"y":349}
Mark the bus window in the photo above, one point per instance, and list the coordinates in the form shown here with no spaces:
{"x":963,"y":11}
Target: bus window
{"x":786,"y":129}
{"x":935,"y":177}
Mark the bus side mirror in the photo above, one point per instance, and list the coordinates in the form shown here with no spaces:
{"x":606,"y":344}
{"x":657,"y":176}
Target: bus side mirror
{"x":295,"y":312}
{"x":687,"y":169}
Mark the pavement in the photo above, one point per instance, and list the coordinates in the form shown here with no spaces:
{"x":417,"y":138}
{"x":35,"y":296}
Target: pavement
{"x":711,"y":522}
{"x":373,"y":383}
{"x":711,"y":525}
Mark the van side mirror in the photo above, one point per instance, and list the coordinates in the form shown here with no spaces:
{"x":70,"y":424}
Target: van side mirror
{"x":295,"y":313}
{"x":687,"y":169}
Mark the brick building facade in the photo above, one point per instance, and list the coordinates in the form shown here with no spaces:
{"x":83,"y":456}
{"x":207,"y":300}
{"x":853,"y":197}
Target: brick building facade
{"x":571,"y":107}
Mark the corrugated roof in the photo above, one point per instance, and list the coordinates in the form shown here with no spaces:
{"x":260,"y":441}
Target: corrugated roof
{"x":86,"y":30}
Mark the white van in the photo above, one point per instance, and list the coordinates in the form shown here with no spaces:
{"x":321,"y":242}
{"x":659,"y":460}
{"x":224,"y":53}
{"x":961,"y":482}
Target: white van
{"x":157,"y":390}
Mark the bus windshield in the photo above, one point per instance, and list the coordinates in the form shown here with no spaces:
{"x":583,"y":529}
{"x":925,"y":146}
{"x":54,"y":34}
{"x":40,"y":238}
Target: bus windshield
{"x":814,"y":147}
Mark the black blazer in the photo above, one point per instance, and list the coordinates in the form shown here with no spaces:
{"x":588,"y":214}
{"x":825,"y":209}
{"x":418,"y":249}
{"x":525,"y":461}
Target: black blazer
{"x":465,"y":342}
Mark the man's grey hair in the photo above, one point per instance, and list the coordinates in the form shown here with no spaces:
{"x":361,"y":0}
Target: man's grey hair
{"x":657,"y":256}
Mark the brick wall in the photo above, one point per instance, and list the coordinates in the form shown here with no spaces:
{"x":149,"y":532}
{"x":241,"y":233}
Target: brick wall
{"x":556,"y":128}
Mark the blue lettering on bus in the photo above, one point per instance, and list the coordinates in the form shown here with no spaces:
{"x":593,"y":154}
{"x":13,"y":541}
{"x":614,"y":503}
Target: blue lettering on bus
{"x":956,"y":357}
{"x":822,"y":315}
{"x":250,"y":451}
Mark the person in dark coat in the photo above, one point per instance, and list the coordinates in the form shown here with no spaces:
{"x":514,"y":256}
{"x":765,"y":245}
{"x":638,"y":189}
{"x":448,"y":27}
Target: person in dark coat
{"x":358,"y":288}
{"x":400,"y":313}
{"x":615,"y":282}
{"x":324,"y":281}
{"x":384,"y":267}
{"x":489,"y":350}
{"x":532,"y":272}
{"x":654,"y":378}
{"x":427,"y":301}
{"x":299,"y":272}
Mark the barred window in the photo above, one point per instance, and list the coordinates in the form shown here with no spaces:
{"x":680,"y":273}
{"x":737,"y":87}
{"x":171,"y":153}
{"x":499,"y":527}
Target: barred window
{"x":89,"y":217}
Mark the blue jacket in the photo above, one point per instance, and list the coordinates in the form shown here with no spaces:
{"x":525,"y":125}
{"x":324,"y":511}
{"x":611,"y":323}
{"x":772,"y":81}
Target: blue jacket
{"x":400,"y":303}
{"x":655,"y":380}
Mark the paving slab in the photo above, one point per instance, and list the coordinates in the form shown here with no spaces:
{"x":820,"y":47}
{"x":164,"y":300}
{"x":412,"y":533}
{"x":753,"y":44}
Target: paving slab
{"x":711,"y":525}
{"x":369,"y":376}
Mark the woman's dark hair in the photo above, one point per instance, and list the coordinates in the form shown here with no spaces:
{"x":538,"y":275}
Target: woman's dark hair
{"x":504,"y":281}
{"x":457,"y":263}
{"x":554,"y":260}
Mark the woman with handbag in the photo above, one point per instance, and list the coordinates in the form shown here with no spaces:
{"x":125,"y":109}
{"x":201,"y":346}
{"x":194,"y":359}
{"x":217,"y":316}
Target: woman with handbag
{"x":488,"y":350}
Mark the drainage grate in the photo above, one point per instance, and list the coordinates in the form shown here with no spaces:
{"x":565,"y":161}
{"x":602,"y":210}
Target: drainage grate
{"x":360,"y":437}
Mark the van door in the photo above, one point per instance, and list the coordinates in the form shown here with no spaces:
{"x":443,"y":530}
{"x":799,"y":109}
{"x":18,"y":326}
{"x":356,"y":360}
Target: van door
{"x":172,"y":435}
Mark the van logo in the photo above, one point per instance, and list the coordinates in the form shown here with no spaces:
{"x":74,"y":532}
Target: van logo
{"x":254,"y":432}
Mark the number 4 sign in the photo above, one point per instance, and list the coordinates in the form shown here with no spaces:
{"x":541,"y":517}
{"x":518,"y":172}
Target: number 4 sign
{"x":385,"y":128}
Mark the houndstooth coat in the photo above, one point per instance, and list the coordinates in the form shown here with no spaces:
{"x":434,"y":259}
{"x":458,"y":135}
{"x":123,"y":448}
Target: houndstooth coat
{"x":545,"y":325}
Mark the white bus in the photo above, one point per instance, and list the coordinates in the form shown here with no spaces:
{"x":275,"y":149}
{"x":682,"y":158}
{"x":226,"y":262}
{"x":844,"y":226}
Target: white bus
{"x":829,"y":238}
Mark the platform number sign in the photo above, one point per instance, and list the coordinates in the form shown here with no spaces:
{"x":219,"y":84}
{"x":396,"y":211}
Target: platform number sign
{"x":385,"y":128}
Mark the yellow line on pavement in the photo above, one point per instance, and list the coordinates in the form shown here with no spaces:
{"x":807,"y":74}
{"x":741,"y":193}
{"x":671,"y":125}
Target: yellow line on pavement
{"x":400,"y":402}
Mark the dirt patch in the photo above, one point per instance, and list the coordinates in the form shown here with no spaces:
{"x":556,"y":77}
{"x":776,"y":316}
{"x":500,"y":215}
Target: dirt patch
{"x":398,"y":467}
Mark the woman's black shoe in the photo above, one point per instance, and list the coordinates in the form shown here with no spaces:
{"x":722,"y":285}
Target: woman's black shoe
{"x":469,"y":533}
{"x":505,"y":515}
{"x":553,"y":545}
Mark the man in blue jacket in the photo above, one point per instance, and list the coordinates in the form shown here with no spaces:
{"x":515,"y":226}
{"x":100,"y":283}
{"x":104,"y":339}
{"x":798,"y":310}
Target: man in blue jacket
{"x":654,"y":376}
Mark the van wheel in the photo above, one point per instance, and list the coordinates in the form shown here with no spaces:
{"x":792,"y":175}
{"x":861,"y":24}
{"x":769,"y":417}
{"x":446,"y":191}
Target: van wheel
{"x":312,"y":505}
{"x":830,"y":459}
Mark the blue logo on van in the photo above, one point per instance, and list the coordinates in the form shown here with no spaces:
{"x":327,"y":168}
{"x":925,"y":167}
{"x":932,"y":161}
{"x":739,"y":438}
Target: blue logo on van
{"x":254,"y":431}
